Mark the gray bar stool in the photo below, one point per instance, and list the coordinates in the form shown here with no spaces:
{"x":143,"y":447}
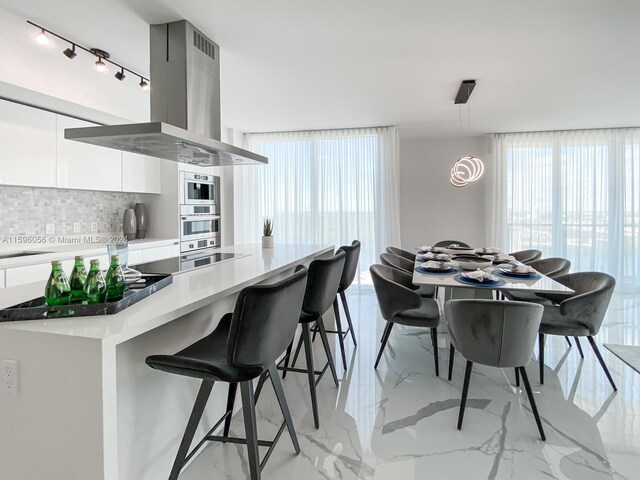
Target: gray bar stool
{"x":348,"y":274}
{"x":322,"y":284}
{"x":399,"y":303}
{"x":243,"y":347}
{"x":494,"y":333}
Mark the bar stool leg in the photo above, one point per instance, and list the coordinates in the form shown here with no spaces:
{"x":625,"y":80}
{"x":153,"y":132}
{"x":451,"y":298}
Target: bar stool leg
{"x":340,"y":336}
{"x":345,"y":307}
{"x":295,"y":356}
{"x":327,"y":349}
{"x":287,"y":358}
{"x":517,"y":377}
{"x":231,"y":398}
{"x":306,"y":337}
{"x":192,"y":426}
{"x":249,"y":413}
{"x":579,"y":347}
{"x":282,"y":401}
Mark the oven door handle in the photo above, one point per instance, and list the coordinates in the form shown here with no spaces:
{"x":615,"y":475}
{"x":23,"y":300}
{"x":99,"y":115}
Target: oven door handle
{"x":202,"y":217}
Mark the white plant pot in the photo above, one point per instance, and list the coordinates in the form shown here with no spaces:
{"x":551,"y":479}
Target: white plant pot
{"x":267,"y":242}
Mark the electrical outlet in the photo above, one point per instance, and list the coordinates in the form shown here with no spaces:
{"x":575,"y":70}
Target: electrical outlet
{"x":94,"y":227}
{"x":9,"y":377}
{"x":77,"y":227}
{"x":50,"y":228}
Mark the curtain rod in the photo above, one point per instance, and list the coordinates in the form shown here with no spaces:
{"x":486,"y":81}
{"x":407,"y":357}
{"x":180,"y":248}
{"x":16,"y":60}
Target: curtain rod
{"x":566,"y":130}
{"x":318,"y":130}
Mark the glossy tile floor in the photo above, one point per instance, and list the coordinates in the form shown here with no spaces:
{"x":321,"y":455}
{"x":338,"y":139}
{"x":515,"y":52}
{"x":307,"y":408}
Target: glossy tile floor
{"x":399,"y":422}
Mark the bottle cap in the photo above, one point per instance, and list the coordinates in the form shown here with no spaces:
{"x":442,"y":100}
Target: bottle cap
{"x":95,"y":261}
{"x":79,"y":257}
{"x":56,"y":262}
{"x":115,"y":257}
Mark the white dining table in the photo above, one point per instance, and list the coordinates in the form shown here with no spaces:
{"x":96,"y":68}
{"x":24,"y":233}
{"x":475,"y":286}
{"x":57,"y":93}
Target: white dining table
{"x":542,"y":284}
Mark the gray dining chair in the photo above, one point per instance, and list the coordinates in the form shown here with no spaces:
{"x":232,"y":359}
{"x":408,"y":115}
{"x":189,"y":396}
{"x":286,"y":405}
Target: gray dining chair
{"x":526,"y":256}
{"x":550,"y":267}
{"x":579,"y":315}
{"x":401,"y":263}
{"x":402,"y":253}
{"x":400,"y":303}
{"x":446,"y":243}
{"x":494,"y":333}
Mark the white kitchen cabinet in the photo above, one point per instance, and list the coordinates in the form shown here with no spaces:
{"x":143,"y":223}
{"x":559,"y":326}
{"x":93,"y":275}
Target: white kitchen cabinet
{"x":141,"y":174}
{"x":84,"y":166}
{"x":28,"y":139}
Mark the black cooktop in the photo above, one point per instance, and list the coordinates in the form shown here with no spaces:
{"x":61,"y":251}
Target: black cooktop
{"x":184,"y":263}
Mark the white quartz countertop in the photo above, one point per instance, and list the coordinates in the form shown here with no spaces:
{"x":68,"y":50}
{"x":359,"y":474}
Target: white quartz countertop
{"x":67,"y":251}
{"x":188,"y":292}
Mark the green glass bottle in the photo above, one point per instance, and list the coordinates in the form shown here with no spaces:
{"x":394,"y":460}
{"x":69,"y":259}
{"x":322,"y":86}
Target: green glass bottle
{"x":95,"y":288}
{"x":115,"y":280}
{"x":77,"y":280}
{"x":57,"y":291}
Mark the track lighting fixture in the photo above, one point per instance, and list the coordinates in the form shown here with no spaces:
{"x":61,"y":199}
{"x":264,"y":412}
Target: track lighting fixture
{"x":102,"y":57}
{"x":70,"y":53}
{"x":42,"y":38}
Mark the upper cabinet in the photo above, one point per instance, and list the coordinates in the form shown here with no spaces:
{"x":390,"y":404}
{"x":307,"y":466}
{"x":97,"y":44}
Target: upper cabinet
{"x":85,"y":166}
{"x":28,"y":139}
{"x":140,"y":173}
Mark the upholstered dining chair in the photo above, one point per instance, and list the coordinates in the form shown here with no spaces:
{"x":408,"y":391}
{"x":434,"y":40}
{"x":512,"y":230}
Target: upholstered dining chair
{"x":579,"y":315}
{"x":400,"y":303}
{"x":526,"y":256}
{"x":402,"y":253}
{"x":446,"y":243}
{"x":494,"y":333}
{"x":401,"y":263}
{"x":551,"y":267}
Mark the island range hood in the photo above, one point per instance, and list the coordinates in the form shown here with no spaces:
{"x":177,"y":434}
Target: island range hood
{"x":185,"y":105}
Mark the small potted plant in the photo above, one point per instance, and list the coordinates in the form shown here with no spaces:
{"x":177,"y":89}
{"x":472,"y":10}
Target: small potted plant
{"x":267,"y":233}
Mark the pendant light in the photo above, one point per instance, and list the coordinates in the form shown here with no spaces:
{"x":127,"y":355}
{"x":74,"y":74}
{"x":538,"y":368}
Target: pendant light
{"x":469,"y":168}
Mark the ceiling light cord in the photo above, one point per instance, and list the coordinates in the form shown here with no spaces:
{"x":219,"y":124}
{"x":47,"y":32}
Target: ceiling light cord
{"x":103,"y":57}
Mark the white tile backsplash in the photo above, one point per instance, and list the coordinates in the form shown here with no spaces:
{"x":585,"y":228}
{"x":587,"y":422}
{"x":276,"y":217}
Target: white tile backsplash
{"x":28,"y":210}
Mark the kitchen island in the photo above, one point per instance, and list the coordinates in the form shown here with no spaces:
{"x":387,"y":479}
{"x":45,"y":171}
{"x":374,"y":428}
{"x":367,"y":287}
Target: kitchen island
{"x":88,"y":407}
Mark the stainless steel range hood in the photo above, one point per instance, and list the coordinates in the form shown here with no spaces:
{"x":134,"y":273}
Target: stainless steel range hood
{"x":185,"y":105}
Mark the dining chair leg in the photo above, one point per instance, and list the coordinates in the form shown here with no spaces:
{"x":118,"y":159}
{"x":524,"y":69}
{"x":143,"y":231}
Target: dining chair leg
{"x":250,"y":428}
{"x":541,"y":356}
{"x":579,"y":346}
{"x":434,"y":341}
{"x":517,"y":377}
{"x":287,"y":358}
{"x":345,"y":307}
{"x":336,"y":311}
{"x":306,"y":337}
{"x":452,"y":354}
{"x":327,"y":350}
{"x":601,"y":360}
{"x":532,"y":401}
{"x":192,"y":426}
{"x":568,"y":341}
{"x":231,"y":399}
{"x":465,"y":392}
{"x":385,"y":339}
{"x":284,"y":408}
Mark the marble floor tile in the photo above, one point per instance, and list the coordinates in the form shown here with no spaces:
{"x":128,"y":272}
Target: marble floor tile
{"x":399,"y":421}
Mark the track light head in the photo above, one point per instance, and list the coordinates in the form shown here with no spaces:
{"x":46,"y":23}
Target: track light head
{"x":70,"y":53}
{"x":100,"y":65}
{"x":143,"y":84}
{"x":42,"y":38}
{"x":120,"y":75}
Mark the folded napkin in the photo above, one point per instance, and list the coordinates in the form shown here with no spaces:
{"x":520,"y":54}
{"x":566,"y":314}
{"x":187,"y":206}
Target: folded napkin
{"x":504,"y":257}
{"x":517,"y":268}
{"x":489,"y":250}
{"x":479,"y":275}
{"x":443,"y":257}
{"x":425,"y":248}
{"x":436,"y":265}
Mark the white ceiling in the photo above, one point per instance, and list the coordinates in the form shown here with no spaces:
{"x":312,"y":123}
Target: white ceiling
{"x":291,"y":65}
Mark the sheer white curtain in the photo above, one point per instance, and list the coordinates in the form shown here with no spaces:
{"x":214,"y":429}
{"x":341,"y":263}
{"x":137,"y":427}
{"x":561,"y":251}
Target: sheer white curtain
{"x":573,"y":194}
{"x":329,"y":186}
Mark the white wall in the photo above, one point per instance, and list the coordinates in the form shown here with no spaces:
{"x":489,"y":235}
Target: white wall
{"x":431,"y":209}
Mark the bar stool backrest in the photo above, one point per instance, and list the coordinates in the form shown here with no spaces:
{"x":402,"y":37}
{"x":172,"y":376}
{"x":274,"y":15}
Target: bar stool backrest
{"x":350,"y":264}
{"x":265,"y":320}
{"x":494,"y":332}
{"x":323,"y":282}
